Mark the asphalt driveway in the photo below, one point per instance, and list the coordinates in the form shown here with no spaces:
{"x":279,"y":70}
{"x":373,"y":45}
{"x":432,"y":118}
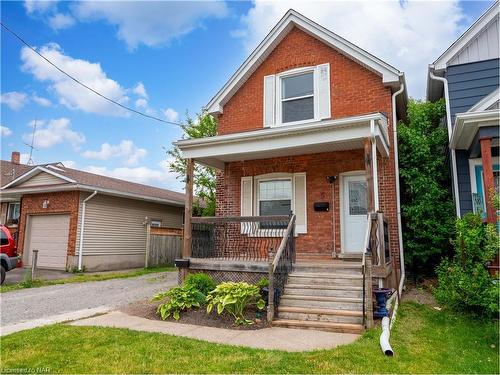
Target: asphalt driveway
{"x":28,"y":304}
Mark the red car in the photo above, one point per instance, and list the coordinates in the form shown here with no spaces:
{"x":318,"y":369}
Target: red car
{"x":8,"y":252}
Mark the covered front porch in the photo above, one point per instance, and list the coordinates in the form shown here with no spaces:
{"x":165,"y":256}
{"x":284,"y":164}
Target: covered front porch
{"x":310,"y":195}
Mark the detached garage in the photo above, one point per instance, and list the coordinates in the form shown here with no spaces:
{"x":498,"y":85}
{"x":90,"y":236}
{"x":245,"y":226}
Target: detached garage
{"x":49,"y":235}
{"x":78,"y":218}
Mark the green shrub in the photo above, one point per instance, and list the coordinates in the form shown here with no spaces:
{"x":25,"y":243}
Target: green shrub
{"x":201,"y":281}
{"x":179,"y":299}
{"x":464,"y":282}
{"x":263,"y":283}
{"x":235,"y":298}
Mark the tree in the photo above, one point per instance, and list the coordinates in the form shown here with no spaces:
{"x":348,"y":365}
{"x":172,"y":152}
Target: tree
{"x":205,"y":125}
{"x":427,"y":207}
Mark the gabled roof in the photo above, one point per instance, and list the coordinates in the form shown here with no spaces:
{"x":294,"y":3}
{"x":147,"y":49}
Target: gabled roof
{"x":10,"y":171}
{"x":390,"y":75}
{"x":74,"y":179}
{"x":467,"y":37}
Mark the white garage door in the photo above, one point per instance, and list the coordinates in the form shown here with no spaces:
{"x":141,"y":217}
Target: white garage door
{"x":49,"y":235}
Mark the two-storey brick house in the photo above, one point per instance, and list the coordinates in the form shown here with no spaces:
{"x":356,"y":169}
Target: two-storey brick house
{"x":305,"y":126}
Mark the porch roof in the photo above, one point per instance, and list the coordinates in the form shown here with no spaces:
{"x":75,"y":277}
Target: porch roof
{"x":314,"y":137}
{"x":467,"y":125}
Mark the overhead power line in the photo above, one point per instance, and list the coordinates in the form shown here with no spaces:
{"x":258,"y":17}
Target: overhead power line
{"x":18,"y":37}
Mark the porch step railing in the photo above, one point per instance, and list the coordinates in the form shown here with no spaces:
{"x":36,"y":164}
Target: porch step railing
{"x":280,"y":268}
{"x":244,"y":238}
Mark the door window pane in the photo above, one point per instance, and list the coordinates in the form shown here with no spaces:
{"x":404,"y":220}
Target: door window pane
{"x":358,"y":203}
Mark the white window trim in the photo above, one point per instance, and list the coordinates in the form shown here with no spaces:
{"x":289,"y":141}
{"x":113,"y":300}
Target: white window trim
{"x":264,"y":179}
{"x":279,"y":100}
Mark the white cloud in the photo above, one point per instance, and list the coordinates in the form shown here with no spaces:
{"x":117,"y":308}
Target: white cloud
{"x":69,"y":93}
{"x":406,"y":34}
{"x":151,"y":23}
{"x":39,"y":6}
{"x":160,"y":176}
{"x":61,"y":21}
{"x":25,"y":158}
{"x":141,"y":103}
{"x":69,"y":163}
{"x":126,"y":149}
{"x":55,"y":131}
{"x":140,"y":90}
{"x":171,"y":115}
{"x":5,"y":131}
{"x":44,"y":102}
{"x":15,"y":100}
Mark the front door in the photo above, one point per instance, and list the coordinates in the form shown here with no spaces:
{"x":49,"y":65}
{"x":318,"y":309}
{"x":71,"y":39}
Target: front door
{"x":355,"y":209}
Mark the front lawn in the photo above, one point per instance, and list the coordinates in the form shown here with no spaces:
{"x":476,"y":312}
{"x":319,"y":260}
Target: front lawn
{"x":84,"y":277}
{"x":424,"y":340}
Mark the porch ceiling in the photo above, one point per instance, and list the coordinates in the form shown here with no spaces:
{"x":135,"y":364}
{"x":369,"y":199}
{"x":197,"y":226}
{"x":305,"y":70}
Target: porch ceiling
{"x":316,"y":137}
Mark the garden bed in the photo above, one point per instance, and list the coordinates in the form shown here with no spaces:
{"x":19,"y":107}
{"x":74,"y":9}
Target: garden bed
{"x":147,"y":309}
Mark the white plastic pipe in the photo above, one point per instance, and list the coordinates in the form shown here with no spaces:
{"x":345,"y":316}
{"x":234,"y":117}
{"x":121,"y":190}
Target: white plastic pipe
{"x":448,"y":125}
{"x":384,"y":337}
{"x":398,"y":199}
{"x":82,"y":225}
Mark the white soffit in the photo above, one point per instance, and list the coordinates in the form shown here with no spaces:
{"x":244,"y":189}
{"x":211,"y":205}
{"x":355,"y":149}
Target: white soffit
{"x":467,"y":124}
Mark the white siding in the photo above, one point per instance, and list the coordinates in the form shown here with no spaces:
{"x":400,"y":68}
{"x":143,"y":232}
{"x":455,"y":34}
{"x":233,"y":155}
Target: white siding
{"x":484,"y":46}
{"x":42,"y":179}
{"x":115,"y":225}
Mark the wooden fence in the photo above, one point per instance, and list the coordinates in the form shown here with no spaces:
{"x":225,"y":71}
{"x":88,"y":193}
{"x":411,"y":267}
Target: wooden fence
{"x":164,"y":245}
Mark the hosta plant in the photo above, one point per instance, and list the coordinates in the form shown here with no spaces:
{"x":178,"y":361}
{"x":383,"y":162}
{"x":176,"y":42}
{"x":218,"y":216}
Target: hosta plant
{"x":178,"y":299}
{"x":234,"y":298}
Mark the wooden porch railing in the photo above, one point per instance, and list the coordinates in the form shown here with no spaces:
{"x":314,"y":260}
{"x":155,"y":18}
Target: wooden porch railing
{"x":280,"y":268}
{"x":247,"y":238}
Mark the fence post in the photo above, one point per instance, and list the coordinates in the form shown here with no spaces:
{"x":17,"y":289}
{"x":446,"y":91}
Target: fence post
{"x":148,"y":240}
{"x":33,"y":264}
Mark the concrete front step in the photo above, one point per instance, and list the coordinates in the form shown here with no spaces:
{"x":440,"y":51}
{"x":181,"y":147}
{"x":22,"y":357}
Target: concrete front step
{"x":323,"y":326}
{"x":322,"y":290}
{"x":322,"y":315}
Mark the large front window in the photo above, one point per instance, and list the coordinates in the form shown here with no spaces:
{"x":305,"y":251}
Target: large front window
{"x":297,"y":97}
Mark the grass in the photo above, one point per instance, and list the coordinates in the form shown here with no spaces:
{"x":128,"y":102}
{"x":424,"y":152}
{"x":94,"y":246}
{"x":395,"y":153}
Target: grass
{"x":83,"y":277}
{"x":424,"y":340}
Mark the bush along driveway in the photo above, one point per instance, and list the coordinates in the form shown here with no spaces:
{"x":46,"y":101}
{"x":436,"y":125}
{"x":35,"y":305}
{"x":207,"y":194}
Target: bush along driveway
{"x":425,"y":341}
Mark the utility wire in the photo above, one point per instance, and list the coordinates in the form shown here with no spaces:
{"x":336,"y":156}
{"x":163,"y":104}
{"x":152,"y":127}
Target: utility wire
{"x":83,"y":84}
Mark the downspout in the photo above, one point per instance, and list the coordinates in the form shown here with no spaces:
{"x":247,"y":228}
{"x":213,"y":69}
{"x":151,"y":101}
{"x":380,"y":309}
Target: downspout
{"x":398,"y":199}
{"x":82,"y":225}
{"x":448,"y":124}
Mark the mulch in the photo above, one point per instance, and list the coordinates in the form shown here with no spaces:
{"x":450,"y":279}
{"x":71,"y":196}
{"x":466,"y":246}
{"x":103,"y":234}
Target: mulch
{"x":147,"y":309}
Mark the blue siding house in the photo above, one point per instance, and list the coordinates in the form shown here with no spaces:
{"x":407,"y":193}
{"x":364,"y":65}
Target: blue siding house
{"x":467,"y":76}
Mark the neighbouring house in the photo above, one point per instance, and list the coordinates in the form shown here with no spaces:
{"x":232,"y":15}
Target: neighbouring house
{"x":307,"y":178}
{"x":77,"y":219}
{"x":467,"y":75}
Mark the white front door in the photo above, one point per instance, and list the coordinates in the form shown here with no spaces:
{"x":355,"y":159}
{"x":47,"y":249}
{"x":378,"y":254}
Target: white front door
{"x":355,"y":209}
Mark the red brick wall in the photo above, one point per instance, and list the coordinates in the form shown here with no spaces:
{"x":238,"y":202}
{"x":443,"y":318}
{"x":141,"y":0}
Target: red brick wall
{"x":59,"y":203}
{"x":354,"y":90}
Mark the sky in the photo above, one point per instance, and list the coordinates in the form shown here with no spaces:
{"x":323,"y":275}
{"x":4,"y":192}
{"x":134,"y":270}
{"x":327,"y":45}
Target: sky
{"x":168,"y":59}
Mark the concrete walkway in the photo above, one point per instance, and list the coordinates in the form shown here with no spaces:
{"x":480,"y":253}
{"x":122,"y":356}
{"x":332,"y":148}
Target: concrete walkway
{"x":291,"y":340}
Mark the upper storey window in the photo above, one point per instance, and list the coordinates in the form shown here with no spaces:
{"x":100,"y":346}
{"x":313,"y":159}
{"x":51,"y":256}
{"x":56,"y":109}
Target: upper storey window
{"x":297,"y":96}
